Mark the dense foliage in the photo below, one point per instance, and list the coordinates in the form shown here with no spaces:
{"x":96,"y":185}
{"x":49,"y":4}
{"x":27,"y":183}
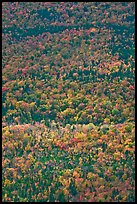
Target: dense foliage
{"x":68,"y":101}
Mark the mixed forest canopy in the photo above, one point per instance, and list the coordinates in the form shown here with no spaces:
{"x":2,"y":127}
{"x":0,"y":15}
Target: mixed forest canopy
{"x":68,"y":79}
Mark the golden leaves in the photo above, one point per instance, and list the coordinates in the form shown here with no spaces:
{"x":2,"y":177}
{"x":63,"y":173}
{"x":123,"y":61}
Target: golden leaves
{"x":91,"y":175}
{"x":36,"y":162}
{"x":7,"y":182}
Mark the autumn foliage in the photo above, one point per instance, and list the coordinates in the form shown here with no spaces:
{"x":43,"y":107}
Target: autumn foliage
{"x":68,"y":108}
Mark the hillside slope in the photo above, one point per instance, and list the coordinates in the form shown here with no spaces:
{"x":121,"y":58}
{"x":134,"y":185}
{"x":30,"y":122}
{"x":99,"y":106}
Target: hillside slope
{"x":68,"y":101}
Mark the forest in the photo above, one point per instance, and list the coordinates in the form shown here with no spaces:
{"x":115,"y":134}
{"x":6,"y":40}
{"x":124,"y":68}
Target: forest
{"x":68,"y":102}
